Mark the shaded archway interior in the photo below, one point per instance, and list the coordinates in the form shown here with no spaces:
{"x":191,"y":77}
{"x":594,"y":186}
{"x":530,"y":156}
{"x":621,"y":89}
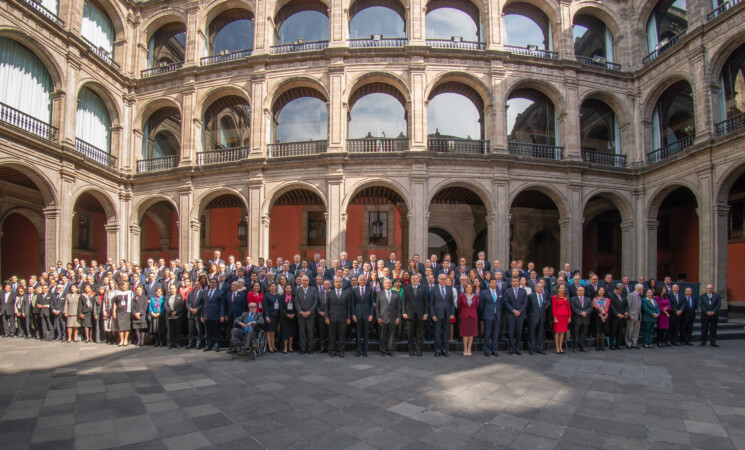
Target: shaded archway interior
{"x":227,"y":123}
{"x":159,"y":237}
{"x":220,"y":218}
{"x":231,"y":31}
{"x":534,"y":229}
{"x":736,"y":240}
{"x":601,"y":237}
{"x":377,"y":223}
{"x":678,"y":236}
{"x":461,"y":210}
{"x":89,"y":237}
{"x":163,"y":133}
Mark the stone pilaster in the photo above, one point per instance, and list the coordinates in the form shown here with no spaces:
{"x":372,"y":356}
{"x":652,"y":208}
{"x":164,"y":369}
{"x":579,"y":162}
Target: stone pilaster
{"x":628,"y":265}
{"x":112,"y":241}
{"x":134,"y":243}
{"x":337,"y":112}
{"x":499,"y":231}
{"x":52,"y":241}
{"x":262,"y":30}
{"x":254,"y":220}
{"x":418,"y":113}
{"x":416,"y":10}
{"x":334,"y":224}
{"x":419,"y":215}
{"x":720,"y":215}
{"x":188,"y":226}
{"x":191,"y":126}
{"x":338,"y":27}
{"x":193,"y":35}
{"x":259,"y":122}
{"x":569,"y":126}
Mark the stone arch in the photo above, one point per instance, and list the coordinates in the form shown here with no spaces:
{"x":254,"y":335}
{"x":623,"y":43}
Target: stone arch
{"x":379,"y":77}
{"x":294,"y":82}
{"x":352,"y":190}
{"x":147,"y":202}
{"x":272,"y":196}
{"x":727,"y":180}
{"x":549,"y":190}
{"x":465,"y":78}
{"x":108,"y":205}
{"x":40,"y":179}
{"x":40,"y":50}
{"x":475,"y":187}
{"x":164,"y":17}
{"x":35,"y":217}
{"x":721,"y":54}
{"x":619,"y":201}
{"x":152,"y":106}
{"x":658,"y":196}
{"x":654,"y":95}
{"x":207,"y":98}
{"x":115,"y":13}
{"x":611,"y":99}
{"x":545,"y":87}
{"x":548,"y":7}
{"x":214,"y":8}
{"x":206,"y":197}
{"x":600,"y":11}
{"x":103,"y":92}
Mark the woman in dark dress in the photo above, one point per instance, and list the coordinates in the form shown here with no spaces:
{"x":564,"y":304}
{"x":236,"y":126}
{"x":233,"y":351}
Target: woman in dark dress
{"x":288,"y":328}
{"x":85,"y":311}
{"x":158,"y":317}
{"x":139,"y":315}
{"x":271,"y":315}
{"x":123,"y":312}
{"x":601,"y":303}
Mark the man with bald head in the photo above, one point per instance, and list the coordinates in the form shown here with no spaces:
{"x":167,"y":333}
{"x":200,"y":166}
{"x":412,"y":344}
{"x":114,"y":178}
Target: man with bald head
{"x":306,"y":304}
{"x":709,"y":302}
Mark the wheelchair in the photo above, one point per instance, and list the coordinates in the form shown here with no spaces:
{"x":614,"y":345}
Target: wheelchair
{"x":256,"y":347}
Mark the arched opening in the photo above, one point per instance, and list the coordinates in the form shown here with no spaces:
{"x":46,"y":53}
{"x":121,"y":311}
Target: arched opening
{"x":301,"y":25}
{"x":161,"y":142}
{"x":159,"y":237}
{"x":461,"y":210}
{"x":600,"y":134}
{"x":223,"y":220}
{"x":377,"y":23}
{"x":167,"y":46}
{"x":227,"y":126}
{"x":532,"y":125}
{"x":678,"y":236}
{"x":25,"y":93}
{"x":673,"y":121}
{"x":297,"y":225}
{"x":665,"y":25}
{"x":98,"y":30}
{"x":527,"y":31}
{"x":534,"y":229}
{"x":231,"y":31}
{"x":602,"y":238}
{"x":736,"y":241}
{"x":377,"y":224}
{"x":378,"y":119}
{"x":456,"y":133}
{"x":593,"y":42}
{"x":89,"y":234}
{"x":732,"y":93}
{"x":300,"y":123}
{"x":93,"y":127}
{"x":440,"y":243}
{"x":454,"y":24}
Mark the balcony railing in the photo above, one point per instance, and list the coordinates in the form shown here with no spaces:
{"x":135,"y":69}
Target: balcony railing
{"x":377,"y":145}
{"x":157,"y":164}
{"x":47,"y":14}
{"x":736,"y":234}
{"x":167,"y":68}
{"x":598,"y":62}
{"x":102,"y":54}
{"x":455,"y":145}
{"x":456,"y":44}
{"x":222,"y":155}
{"x":297,"y":149}
{"x":671,"y":149}
{"x":531,"y":51}
{"x":605,"y":159}
{"x":377,"y":42}
{"x":663,"y":46}
{"x":535,"y":150}
{"x":722,"y":8}
{"x":730,"y":125}
{"x":27,"y":123}
{"x":225,"y":57}
{"x":298,"y":47}
{"x":94,"y":153}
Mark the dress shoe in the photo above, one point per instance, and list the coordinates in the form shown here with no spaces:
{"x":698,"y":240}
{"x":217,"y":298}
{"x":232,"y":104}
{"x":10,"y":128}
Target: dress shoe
{"x":531,"y":352}
{"x":613,"y":349}
{"x":309,"y":352}
{"x":332,"y":354}
{"x":689,"y":344}
{"x":493,"y":353}
{"x":418,"y":354}
{"x":628,"y":347}
{"x":584,"y":350}
{"x":357,"y":355}
{"x":217,"y":349}
{"x":575,"y":351}
{"x":364,"y":354}
{"x":445,"y":354}
{"x":518,"y":352}
{"x":540,"y":352}
{"x":341,"y":355}
{"x":702,"y":344}
{"x":411,"y":353}
{"x":487,"y":354}
{"x":232,"y":351}
{"x":714,"y":344}
{"x":510,"y":352}
{"x":206,"y":349}
{"x":437,"y":354}
{"x":382,"y":354}
{"x":390,"y":354}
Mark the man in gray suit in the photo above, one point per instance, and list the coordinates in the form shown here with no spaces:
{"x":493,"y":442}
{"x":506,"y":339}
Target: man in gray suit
{"x":441,"y":309}
{"x":245,"y":328}
{"x":387,"y":305}
{"x":581,"y":313}
{"x":633,"y":316}
{"x":306,"y":303}
{"x":338,"y":313}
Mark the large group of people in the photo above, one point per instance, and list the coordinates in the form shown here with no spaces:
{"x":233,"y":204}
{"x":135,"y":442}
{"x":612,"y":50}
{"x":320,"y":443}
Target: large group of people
{"x":312,"y":306}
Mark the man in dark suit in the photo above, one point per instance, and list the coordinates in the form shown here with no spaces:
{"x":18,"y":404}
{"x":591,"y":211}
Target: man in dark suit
{"x":484,"y":261}
{"x":245,"y":327}
{"x":294,"y":266}
{"x":387,"y":306}
{"x":174,"y":312}
{"x":677,"y":307}
{"x":391,"y":262}
{"x":441,"y":308}
{"x":7,"y":310}
{"x":58,"y":307}
{"x":44,"y":303}
{"x":538,"y":303}
{"x":344,"y":262}
{"x":516,"y":302}
{"x":362,"y":313}
{"x":415,"y":312}
{"x":216,"y":259}
{"x":709,"y":302}
{"x":323,"y":329}
{"x":573,"y":286}
{"x":581,"y":310}
{"x":418,"y":265}
{"x":151,"y":285}
{"x":236,"y":302}
{"x":688,"y":317}
{"x":617,"y":313}
{"x":194,"y":305}
{"x":306,"y":304}
{"x":213,"y":314}
{"x":338,"y":312}
{"x":490,"y":311}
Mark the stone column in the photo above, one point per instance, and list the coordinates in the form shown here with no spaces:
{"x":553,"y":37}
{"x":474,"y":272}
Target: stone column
{"x":576,"y":224}
{"x":337,"y":24}
{"x":258,"y":120}
{"x":627,"y":249}
{"x":58,"y":112}
{"x":192,"y":230}
{"x":134,"y":243}
{"x":125,"y":215}
{"x":262,"y":30}
{"x":334,"y":223}
{"x":191,"y":126}
{"x":563,"y":36}
{"x":418,"y":113}
{"x":112,"y":240}
{"x":66,"y":206}
{"x":701,"y":94}
{"x":719,"y":280}
{"x":254,"y":220}
{"x":265,"y":222}
{"x":67,"y":123}
{"x":499,"y":232}
{"x":188,"y":227}
{"x":707,"y":220}
{"x":135,"y":152}
{"x":569,"y":119}
{"x":498,"y":116}
{"x":565,"y":252}
{"x":337,"y":126}
{"x":192,"y":36}
{"x":650,"y":227}
{"x":418,"y":222}
{"x":493,"y":27}
{"x":52,"y":241}
{"x":415,"y":13}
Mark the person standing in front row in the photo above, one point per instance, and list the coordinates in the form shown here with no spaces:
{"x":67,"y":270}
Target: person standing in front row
{"x":633,"y":316}
{"x":214,"y":312}
{"x":650,"y":313}
{"x":387,"y":305}
{"x":468,"y":317}
{"x":688,"y":316}
{"x":338,"y":313}
{"x":581,"y":311}
{"x":490,"y":311}
{"x":415,"y":312}
{"x":362,"y":313}
{"x":561,"y":311}
{"x":538,"y":304}
{"x":306,"y":303}
{"x":441,"y":309}
{"x":710,"y":302}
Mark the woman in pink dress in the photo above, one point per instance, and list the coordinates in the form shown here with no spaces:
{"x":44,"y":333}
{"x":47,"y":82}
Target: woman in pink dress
{"x":663,"y":320}
{"x":468,"y":306}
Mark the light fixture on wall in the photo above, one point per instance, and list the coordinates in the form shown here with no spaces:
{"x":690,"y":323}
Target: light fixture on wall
{"x":243,"y":232}
{"x":376,"y":226}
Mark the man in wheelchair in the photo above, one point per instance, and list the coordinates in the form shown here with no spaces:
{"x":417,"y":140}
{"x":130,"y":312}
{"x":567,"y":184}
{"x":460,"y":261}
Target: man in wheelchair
{"x":245,"y":329}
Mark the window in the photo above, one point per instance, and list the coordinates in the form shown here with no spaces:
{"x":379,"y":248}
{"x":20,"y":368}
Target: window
{"x":736,"y":220}
{"x":83,"y":233}
{"x":605,"y":237}
{"x":379,"y":228}
{"x":316,"y":228}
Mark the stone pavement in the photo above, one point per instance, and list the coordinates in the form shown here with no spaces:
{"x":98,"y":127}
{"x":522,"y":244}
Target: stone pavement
{"x":87,"y":396}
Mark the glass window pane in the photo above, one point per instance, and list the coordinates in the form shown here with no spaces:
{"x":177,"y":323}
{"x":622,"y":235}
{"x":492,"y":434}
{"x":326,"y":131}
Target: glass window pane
{"x":444,"y":23}
{"x":305,"y":25}
{"x":376,"y":20}
{"x":442,"y":122}
{"x":520,"y":31}
{"x":302,"y":119}
{"x":377,"y":115}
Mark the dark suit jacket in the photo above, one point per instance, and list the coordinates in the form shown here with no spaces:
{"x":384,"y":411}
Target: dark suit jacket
{"x":306,"y":303}
{"x":678,"y":304}
{"x":388,"y":311}
{"x":235,"y":309}
{"x":362,"y":306}
{"x":707,"y":304}
{"x":572,"y":289}
{"x":45,"y":299}
{"x":488,"y":308}
{"x":150,"y":289}
{"x":215,"y":307}
{"x":516,"y":304}
{"x":194,"y":301}
{"x":7,"y":307}
{"x":487,"y":266}
{"x":439,"y":307}
{"x":577,"y":307}
{"x":415,"y":301}
{"x":617,"y":304}
{"x":178,"y":307}
{"x":139,"y":305}
{"x":536,"y":312}
{"x":339,"y":308}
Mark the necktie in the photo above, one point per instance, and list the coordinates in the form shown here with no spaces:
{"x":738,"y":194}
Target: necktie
{"x":540,"y":300}
{"x":233,"y":297}
{"x":338,"y":293}
{"x":442,"y":291}
{"x":388,"y":295}
{"x":362,"y":292}
{"x":690,"y":302}
{"x":212,"y":291}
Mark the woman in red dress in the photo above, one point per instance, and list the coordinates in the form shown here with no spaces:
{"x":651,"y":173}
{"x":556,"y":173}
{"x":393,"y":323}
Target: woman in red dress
{"x":468,"y":307}
{"x":562,"y":317}
{"x":255,"y":296}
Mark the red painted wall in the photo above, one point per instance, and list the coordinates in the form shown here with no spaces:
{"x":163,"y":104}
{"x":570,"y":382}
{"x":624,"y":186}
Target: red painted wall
{"x":735,"y":268}
{"x":21,"y":254}
{"x":97,"y":249}
{"x":224,"y":233}
{"x":150,"y":245}
{"x":355,"y":217}
{"x":285,"y":232}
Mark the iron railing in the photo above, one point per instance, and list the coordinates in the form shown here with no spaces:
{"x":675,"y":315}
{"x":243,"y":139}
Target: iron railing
{"x":47,"y":14}
{"x":222,"y":155}
{"x":592,"y":62}
{"x":662,"y":48}
{"x":295,"y":47}
{"x":102,"y":54}
{"x":722,"y":8}
{"x":225,"y":57}
{"x":95,"y":154}
{"x":454,"y":44}
{"x":168,"y":68}
{"x":377,"y":145}
{"x":730,"y":125}
{"x":296,"y":148}
{"x":540,"y":151}
{"x":602,"y":158}
{"x":531,"y":51}
{"x":377,"y":42}
{"x":157,"y":164}
{"x":27,"y":123}
{"x":456,"y":145}
{"x":671,"y":148}
{"x":735,"y":234}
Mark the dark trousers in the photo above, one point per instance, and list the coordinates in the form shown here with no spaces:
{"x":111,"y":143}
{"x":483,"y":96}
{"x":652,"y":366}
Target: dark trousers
{"x":337,"y":334}
{"x":648,"y":332}
{"x":9,"y":324}
{"x":579,"y":332}
{"x":195,"y":330}
{"x":323,"y":334}
{"x":491,"y":334}
{"x":60,"y":326}
{"x":536,"y":332}
{"x":387,"y":337}
{"x":174,"y":331}
{"x":213,"y":333}
{"x":675,"y":321}
{"x":140,"y":335}
{"x":442,"y":334}
{"x":36,"y":326}
{"x":238,"y":337}
{"x":516,"y":331}
{"x":617,"y":336}
{"x":47,"y":328}
{"x":305,"y":331}
{"x":23,"y":325}
{"x":686,"y":327}
{"x":362,"y":334}
{"x":429,"y":330}
{"x":415,"y":332}
{"x":709,"y":327}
